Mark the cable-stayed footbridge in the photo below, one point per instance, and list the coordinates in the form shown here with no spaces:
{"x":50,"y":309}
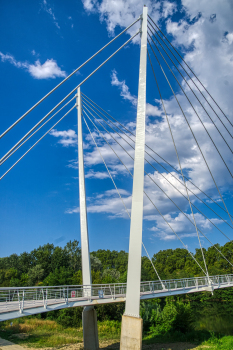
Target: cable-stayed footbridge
{"x":23,"y":301}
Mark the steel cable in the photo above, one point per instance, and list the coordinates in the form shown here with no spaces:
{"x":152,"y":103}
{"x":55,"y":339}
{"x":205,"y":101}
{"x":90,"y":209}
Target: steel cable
{"x":23,"y":138}
{"x":159,"y":173}
{"x":86,"y":97}
{"x":191,"y":90}
{"x":195,"y":109}
{"x":147,"y":197}
{"x":16,"y":149}
{"x":149,"y":175}
{"x":35,"y":144}
{"x":191,"y":71}
{"x":188,"y":76}
{"x":146,"y":193}
{"x":75,"y":71}
{"x":193,"y":135}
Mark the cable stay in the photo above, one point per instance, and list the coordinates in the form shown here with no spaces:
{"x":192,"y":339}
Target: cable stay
{"x":70,"y":75}
{"x":152,"y":180}
{"x":190,"y":205}
{"x":93,"y":104}
{"x":190,"y":70}
{"x":155,"y":205}
{"x":127,"y":210}
{"x":70,"y":93}
{"x":191,"y":131}
{"x":190,"y":104}
{"x":36,"y":143}
{"x":16,"y":149}
{"x":188,"y":76}
{"x":188,"y":86}
{"x":152,"y":167}
{"x":120,"y":196}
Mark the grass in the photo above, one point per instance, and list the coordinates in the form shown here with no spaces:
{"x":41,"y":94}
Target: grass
{"x":39,"y":333}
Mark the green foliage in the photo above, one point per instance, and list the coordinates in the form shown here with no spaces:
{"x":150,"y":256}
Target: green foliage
{"x":35,"y":275}
{"x":175,"y":316}
{"x":162,"y":319}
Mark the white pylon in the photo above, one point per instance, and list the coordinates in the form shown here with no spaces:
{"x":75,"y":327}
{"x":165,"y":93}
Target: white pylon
{"x":86,"y":265}
{"x":135,"y":245}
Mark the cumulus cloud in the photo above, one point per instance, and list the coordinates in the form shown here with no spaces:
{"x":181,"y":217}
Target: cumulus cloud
{"x":168,"y":8}
{"x":109,"y":203}
{"x":229,"y":37}
{"x":181,"y":226}
{"x":204,"y":36}
{"x":122,"y":13}
{"x":67,"y":138}
{"x":47,"y":70}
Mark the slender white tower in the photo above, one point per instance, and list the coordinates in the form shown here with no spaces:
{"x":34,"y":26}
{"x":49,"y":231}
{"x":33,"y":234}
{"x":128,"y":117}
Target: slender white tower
{"x":89,"y":318}
{"x":131,"y":331}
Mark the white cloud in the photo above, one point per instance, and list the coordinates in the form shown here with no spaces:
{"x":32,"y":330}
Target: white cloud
{"x":68,"y":138}
{"x":199,"y":35}
{"x":109,"y":203}
{"x":12,"y":60}
{"x":122,"y":13}
{"x":151,"y":110}
{"x":123,"y":87}
{"x":97,"y":175}
{"x":47,"y":70}
{"x":181,"y":226}
{"x":169,"y":8}
{"x":37,"y":70}
{"x":229,"y":37}
{"x":49,"y":10}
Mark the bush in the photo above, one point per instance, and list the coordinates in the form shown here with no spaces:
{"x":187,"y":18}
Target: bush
{"x":176,"y":316}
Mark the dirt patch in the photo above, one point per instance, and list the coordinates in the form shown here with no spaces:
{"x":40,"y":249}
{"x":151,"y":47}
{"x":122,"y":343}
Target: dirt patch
{"x":113,"y":345}
{"x":20,"y":335}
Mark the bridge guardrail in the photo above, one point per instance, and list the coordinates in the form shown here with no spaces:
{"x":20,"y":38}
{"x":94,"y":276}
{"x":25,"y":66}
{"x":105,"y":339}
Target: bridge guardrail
{"x":20,"y":298}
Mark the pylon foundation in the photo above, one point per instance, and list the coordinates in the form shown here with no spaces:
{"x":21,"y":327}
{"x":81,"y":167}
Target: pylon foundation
{"x":90,"y":330}
{"x":131,"y":333}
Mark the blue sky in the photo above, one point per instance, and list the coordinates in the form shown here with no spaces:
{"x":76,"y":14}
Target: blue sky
{"x":44,"y":41}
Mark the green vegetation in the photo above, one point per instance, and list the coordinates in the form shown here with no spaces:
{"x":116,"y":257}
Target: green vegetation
{"x":200,"y":318}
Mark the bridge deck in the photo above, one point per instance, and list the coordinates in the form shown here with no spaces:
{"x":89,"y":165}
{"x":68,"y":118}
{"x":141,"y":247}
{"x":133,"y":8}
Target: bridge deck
{"x":23,"y":301}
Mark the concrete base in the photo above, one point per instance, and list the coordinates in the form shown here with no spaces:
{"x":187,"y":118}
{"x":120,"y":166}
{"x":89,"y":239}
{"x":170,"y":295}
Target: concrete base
{"x":131,"y":333}
{"x":90,"y":330}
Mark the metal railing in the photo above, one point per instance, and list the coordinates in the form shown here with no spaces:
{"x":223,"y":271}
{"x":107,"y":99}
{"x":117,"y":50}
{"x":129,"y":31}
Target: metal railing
{"x":21,"y":298}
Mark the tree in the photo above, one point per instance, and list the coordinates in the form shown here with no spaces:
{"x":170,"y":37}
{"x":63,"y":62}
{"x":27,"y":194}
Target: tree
{"x":96,"y":264}
{"x":35,"y":274}
{"x":74,"y":253}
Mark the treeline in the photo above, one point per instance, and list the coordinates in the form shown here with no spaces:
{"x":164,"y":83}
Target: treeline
{"x":50,"y":265}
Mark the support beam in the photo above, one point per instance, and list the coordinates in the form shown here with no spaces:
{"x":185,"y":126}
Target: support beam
{"x":86,"y":264}
{"x":131,"y":330}
{"x":135,"y":244}
{"x":90,"y":330}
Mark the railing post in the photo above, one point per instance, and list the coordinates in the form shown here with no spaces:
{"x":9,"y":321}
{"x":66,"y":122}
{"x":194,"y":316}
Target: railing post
{"x":22,"y":307}
{"x":19,"y":300}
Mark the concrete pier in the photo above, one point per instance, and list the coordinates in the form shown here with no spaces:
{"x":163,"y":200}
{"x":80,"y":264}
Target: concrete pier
{"x":131,"y":333}
{"x":90,"y":330}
